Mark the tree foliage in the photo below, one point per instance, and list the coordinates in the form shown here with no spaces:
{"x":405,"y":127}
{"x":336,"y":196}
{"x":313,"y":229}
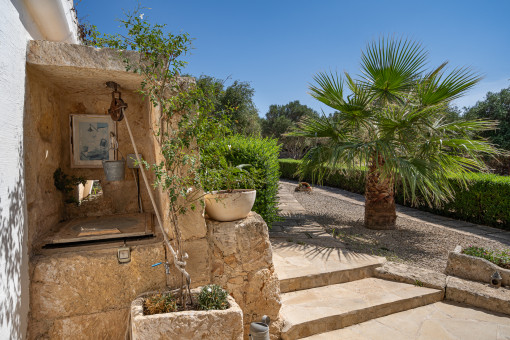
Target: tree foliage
{"x":281,"y":118}
{"x":234,"y":101}
{"x":495,"y":106}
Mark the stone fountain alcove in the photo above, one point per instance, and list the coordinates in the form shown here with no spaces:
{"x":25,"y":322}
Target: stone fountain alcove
{"x":79,"y":289}
{"x":83,"y":283}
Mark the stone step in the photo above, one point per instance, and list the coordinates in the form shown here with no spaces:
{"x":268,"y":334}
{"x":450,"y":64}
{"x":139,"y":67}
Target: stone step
{"x":323,"y":309}
{"x":439,"y":320}
{"x":306,"y":266}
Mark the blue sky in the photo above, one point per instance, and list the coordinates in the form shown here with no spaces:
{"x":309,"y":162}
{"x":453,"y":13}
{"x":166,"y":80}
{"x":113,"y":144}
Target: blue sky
{"x":278,"y":46}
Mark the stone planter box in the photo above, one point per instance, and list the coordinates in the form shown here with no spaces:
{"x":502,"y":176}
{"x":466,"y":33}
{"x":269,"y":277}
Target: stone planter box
{"x":474,"y":268}
{"x":213,"y":324}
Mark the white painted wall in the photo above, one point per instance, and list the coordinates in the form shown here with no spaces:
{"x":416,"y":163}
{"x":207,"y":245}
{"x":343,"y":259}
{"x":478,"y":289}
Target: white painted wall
{"x":18,"y":24}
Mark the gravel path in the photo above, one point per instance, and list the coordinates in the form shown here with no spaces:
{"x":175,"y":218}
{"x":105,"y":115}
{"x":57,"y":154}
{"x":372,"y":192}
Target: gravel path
{"x":414,"y":242}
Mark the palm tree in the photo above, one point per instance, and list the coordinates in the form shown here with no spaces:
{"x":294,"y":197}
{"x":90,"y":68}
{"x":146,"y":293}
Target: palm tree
{"x":394,"y":123}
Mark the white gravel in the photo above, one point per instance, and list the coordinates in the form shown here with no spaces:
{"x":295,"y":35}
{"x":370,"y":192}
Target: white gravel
{"x":414,"y":242}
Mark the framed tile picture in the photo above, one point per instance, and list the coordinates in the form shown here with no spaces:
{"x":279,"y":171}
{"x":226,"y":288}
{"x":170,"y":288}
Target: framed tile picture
{"x":90,"y":140}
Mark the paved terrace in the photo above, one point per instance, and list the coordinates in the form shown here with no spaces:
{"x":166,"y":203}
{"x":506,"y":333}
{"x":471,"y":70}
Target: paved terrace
{"x":329,"y":292}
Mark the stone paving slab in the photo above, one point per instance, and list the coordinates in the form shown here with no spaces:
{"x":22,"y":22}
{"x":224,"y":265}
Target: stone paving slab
{"x":303,"y":266}
{"x":317,"y":310}
{"x":478,"y":294}
{"x":439,"y":320}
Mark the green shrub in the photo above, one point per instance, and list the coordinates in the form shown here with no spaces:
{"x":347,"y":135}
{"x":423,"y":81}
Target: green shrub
{"x":500,"y":257}
{"x":212,"y":297}
{"x":355,"y":183}
{"x":262,"y":155}
{"x":486,"y":200}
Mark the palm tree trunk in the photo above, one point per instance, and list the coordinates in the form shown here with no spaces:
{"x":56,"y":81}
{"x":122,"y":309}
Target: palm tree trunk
{"x":379,"y":198}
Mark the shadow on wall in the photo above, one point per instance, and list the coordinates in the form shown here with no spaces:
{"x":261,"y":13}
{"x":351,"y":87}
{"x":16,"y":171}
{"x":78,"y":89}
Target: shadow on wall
{"x":14,"y":281}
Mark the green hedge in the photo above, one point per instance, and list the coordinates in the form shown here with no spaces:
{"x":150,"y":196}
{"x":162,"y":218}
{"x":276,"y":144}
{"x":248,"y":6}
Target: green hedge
{"x":263,"y":155}
{"x":485,"y":201}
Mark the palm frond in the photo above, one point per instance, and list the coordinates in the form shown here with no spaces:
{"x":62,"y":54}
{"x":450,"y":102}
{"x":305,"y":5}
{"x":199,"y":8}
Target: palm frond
{"x":440,"y":87}
{"x":329,"y":90}
{"x":391,"y":67}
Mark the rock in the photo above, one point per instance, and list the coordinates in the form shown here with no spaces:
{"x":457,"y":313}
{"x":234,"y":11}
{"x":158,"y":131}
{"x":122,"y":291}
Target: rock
{"x":242,"y":263}
{"x":474,"y":268}
{"x":213,"y":324}
{"x":413,"y":275}
{"x":478,"y":294}
{"x":72,"y":284}
{"x":198,"y":264}
{"x":107,"y":325}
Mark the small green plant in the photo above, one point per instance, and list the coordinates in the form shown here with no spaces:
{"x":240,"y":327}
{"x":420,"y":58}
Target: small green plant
{"x":228,"y":177}
{"x":418,"y":283}
{"x":67,"y":184}
{"x":160,"y":303}
{"x":498,"y":257}
{"x":212,"y":297}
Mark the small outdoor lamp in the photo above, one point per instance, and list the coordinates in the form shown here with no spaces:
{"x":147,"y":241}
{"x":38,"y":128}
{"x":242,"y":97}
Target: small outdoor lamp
{"x":124,"y":254}
{"x":496,"y":279}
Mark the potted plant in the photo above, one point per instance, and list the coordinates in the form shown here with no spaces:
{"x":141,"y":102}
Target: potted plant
{"x":160,"y":315}
{"x":229,"y":191}
{"x":68,"y":185}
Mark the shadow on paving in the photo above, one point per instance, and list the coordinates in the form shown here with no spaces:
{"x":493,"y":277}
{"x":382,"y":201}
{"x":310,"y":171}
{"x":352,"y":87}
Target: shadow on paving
{"x":348,"y":236}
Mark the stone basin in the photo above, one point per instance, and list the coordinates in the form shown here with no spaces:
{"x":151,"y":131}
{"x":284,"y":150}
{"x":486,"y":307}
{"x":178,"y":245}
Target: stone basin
{"x":212,"y":324}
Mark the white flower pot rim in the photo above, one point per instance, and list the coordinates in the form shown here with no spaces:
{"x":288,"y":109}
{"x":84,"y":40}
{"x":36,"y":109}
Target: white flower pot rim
{"x":229,"y":206}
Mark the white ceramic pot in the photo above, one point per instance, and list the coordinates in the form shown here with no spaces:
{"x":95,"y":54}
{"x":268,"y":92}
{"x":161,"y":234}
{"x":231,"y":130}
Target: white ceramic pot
{"x":229,"y":206}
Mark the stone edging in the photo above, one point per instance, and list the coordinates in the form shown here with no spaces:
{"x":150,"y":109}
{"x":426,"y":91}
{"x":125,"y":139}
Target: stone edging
{"x":455,"y":289}
{"x":474,"y":268}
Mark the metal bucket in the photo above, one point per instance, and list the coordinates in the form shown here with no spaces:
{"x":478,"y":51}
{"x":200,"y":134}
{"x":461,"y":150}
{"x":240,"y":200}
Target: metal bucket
{"x":114,"y":170}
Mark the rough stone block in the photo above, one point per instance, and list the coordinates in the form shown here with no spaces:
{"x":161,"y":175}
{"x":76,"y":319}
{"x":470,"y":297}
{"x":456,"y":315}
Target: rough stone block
{"x":198,"y":264}
{"x":413,"y":275}
{"x":242,"y":263}
{"x":214,"y":324}
{"x":107,"y":325}
{"x":69,"y":284}
{"x":474,"y":268}
{"x":478,"y":294}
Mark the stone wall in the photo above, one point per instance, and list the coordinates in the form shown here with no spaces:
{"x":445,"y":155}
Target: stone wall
{"x":65,"y":79}
{"x":242,"y":263}
{"x":74,"y":288}
{"x":47,"y":145}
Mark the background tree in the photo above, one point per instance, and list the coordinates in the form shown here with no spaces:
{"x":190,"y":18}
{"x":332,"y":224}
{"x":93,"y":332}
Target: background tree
{"x":280,"y":118}
{"x":236,"y":102}
{"x":395,"y":123}
{"x":495,"y":106}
